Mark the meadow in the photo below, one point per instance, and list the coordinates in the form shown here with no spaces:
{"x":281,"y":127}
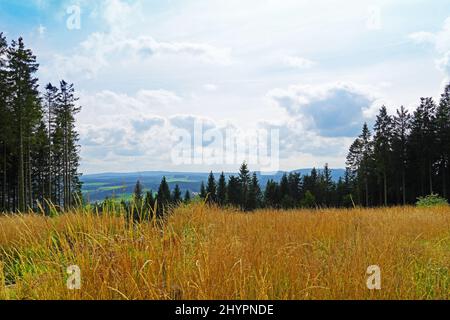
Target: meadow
{"x":203,"y":252}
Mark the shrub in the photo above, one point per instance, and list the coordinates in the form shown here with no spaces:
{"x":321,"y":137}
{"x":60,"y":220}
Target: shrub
{"x":432,"y":200}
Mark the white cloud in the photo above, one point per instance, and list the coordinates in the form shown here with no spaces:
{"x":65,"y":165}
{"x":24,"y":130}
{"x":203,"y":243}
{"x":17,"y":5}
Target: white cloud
{"x":41,"y":30}
{"x":423,"y":37}
{"x":118,"y":14}
{"x":331,"y":110}
{"x":210,"y":87}
{"x":100,"y":50}
{"x":441,"y":42}
{"x":299,"y":62}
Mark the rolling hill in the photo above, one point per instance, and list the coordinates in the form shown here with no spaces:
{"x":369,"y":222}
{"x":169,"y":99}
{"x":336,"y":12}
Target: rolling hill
{"x":97,"y":187}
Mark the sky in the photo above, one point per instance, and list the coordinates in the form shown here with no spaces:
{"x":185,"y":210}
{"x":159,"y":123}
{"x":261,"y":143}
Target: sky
{"x":309,"y":72}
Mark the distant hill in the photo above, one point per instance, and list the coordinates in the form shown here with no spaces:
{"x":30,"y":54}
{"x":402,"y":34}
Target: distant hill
{"x":97,"y":187}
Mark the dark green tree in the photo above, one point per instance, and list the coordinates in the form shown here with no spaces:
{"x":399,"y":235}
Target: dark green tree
{"x":187,"y":197}
{"x":234,"y":191}
{"x":163,"y":198}
{"x":26,"y":111}
{"x":244,"y":181}
{"x":402,"y":124}
{"x":149,"y":202}
{"x":383,"y":149}
{"x":176,"y":196}
{"x":272,"y":195}
{"x":254,"y":200}
{"x":442,"y":127}
{"x":138,"y":195}
{"x":211,"y":189}
{"x":203,"y":193}
{"x":222,"y":190}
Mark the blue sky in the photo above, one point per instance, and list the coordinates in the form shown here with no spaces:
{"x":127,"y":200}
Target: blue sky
{"x":315,"y":70}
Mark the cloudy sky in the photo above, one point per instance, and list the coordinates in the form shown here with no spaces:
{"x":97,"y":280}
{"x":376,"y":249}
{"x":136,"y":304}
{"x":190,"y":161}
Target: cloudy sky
{"x":314,"y":70}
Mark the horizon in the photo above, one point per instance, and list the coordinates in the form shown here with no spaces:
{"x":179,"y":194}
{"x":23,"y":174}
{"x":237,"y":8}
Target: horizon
{"x":204,"y":172}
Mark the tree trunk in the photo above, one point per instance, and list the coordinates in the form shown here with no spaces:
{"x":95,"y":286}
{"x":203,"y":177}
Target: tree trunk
{"x":30,"y":178}
{"x":4,"y":191}
{"x":404,"y":186}
{"x":430,"y":174}
{"x":367,"y":192}
{"x":444,"y":179}
{"x":21,"y":182}
{"x":49,"y":195}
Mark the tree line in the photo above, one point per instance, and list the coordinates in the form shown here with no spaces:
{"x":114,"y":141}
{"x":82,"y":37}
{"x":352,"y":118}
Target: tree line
{"x":39,"y":152}
{"x":243,"y":191}
{"x":406,"y":157}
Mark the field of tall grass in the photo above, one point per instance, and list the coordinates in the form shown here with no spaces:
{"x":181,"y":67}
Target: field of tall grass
{"x":205,"y":252}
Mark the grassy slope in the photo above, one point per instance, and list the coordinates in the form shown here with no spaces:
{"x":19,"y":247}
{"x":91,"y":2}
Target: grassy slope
{"x":207,"y":253}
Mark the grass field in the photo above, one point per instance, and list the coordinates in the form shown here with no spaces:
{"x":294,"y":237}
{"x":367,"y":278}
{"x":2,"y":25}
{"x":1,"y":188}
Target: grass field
{"x":210,"y":253}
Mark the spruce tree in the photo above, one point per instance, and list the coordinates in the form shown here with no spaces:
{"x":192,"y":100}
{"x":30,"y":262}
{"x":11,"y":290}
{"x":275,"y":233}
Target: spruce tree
{"x":244,"y":181}
{"x":176,"y":196}
{"x":26,"y":110}
{"x":203,"y":193}
{"x":163,"y":198}
{"x":50,"y":101}
{"x":149,"y":201}
{"x":138,"y":195}
{"x":222,"y":190}
{"x":211,"y":189}
{"x":187,"y":197}
{"x":234,"y":191}
{"x":254,"y":200}
{"x":5,"y":122}
{"x":328,"y":185}
{"x":442,"y":126}
{"x":295,"y":187}
{"x":359,"y":160}
{"x":272,"y":195}
{"x":421,"y":146}
{"x":383,"y":148}
{"x":400,"y":147}
{"x":65,"y":119}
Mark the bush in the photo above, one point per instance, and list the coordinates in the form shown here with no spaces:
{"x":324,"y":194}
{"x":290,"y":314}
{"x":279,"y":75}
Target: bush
{"x":433,"y":200}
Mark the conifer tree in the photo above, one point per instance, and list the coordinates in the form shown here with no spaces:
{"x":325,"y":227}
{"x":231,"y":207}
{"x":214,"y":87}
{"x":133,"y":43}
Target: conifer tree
{"x":163,"y":198}
{"x":383,"y":148}
{"x":328,"y":186}
{"x":138,"y":195}
{"x":359,"y":160}
{"x":254,"y":194}
{"x":222,"y":190}
{"x":203,"y":193}
{"x":187,"y":197}
{"x":5,"y":122}
{"x":272,"y":195}
{"x":149,"y":201}
{"x":176,"y":196}
{"x":25,"y":106}
{"x":399,"y":147}
{"x":442,"y":127}
{"x":244,"y":181}
{"x":234,"y":191}
{"x":211,"y":189}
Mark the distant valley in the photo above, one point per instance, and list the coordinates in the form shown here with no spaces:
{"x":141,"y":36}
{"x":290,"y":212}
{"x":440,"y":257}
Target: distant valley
{"x":97,"y":187}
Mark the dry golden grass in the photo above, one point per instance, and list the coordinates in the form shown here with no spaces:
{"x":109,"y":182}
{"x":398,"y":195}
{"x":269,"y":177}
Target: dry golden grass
{"x":210,"y":253}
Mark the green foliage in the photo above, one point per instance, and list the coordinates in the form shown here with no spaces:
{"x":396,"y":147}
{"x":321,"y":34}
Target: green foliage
{"x":432,"y":200}
{"x":176,"y":196}
{"x":309,"y":201}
